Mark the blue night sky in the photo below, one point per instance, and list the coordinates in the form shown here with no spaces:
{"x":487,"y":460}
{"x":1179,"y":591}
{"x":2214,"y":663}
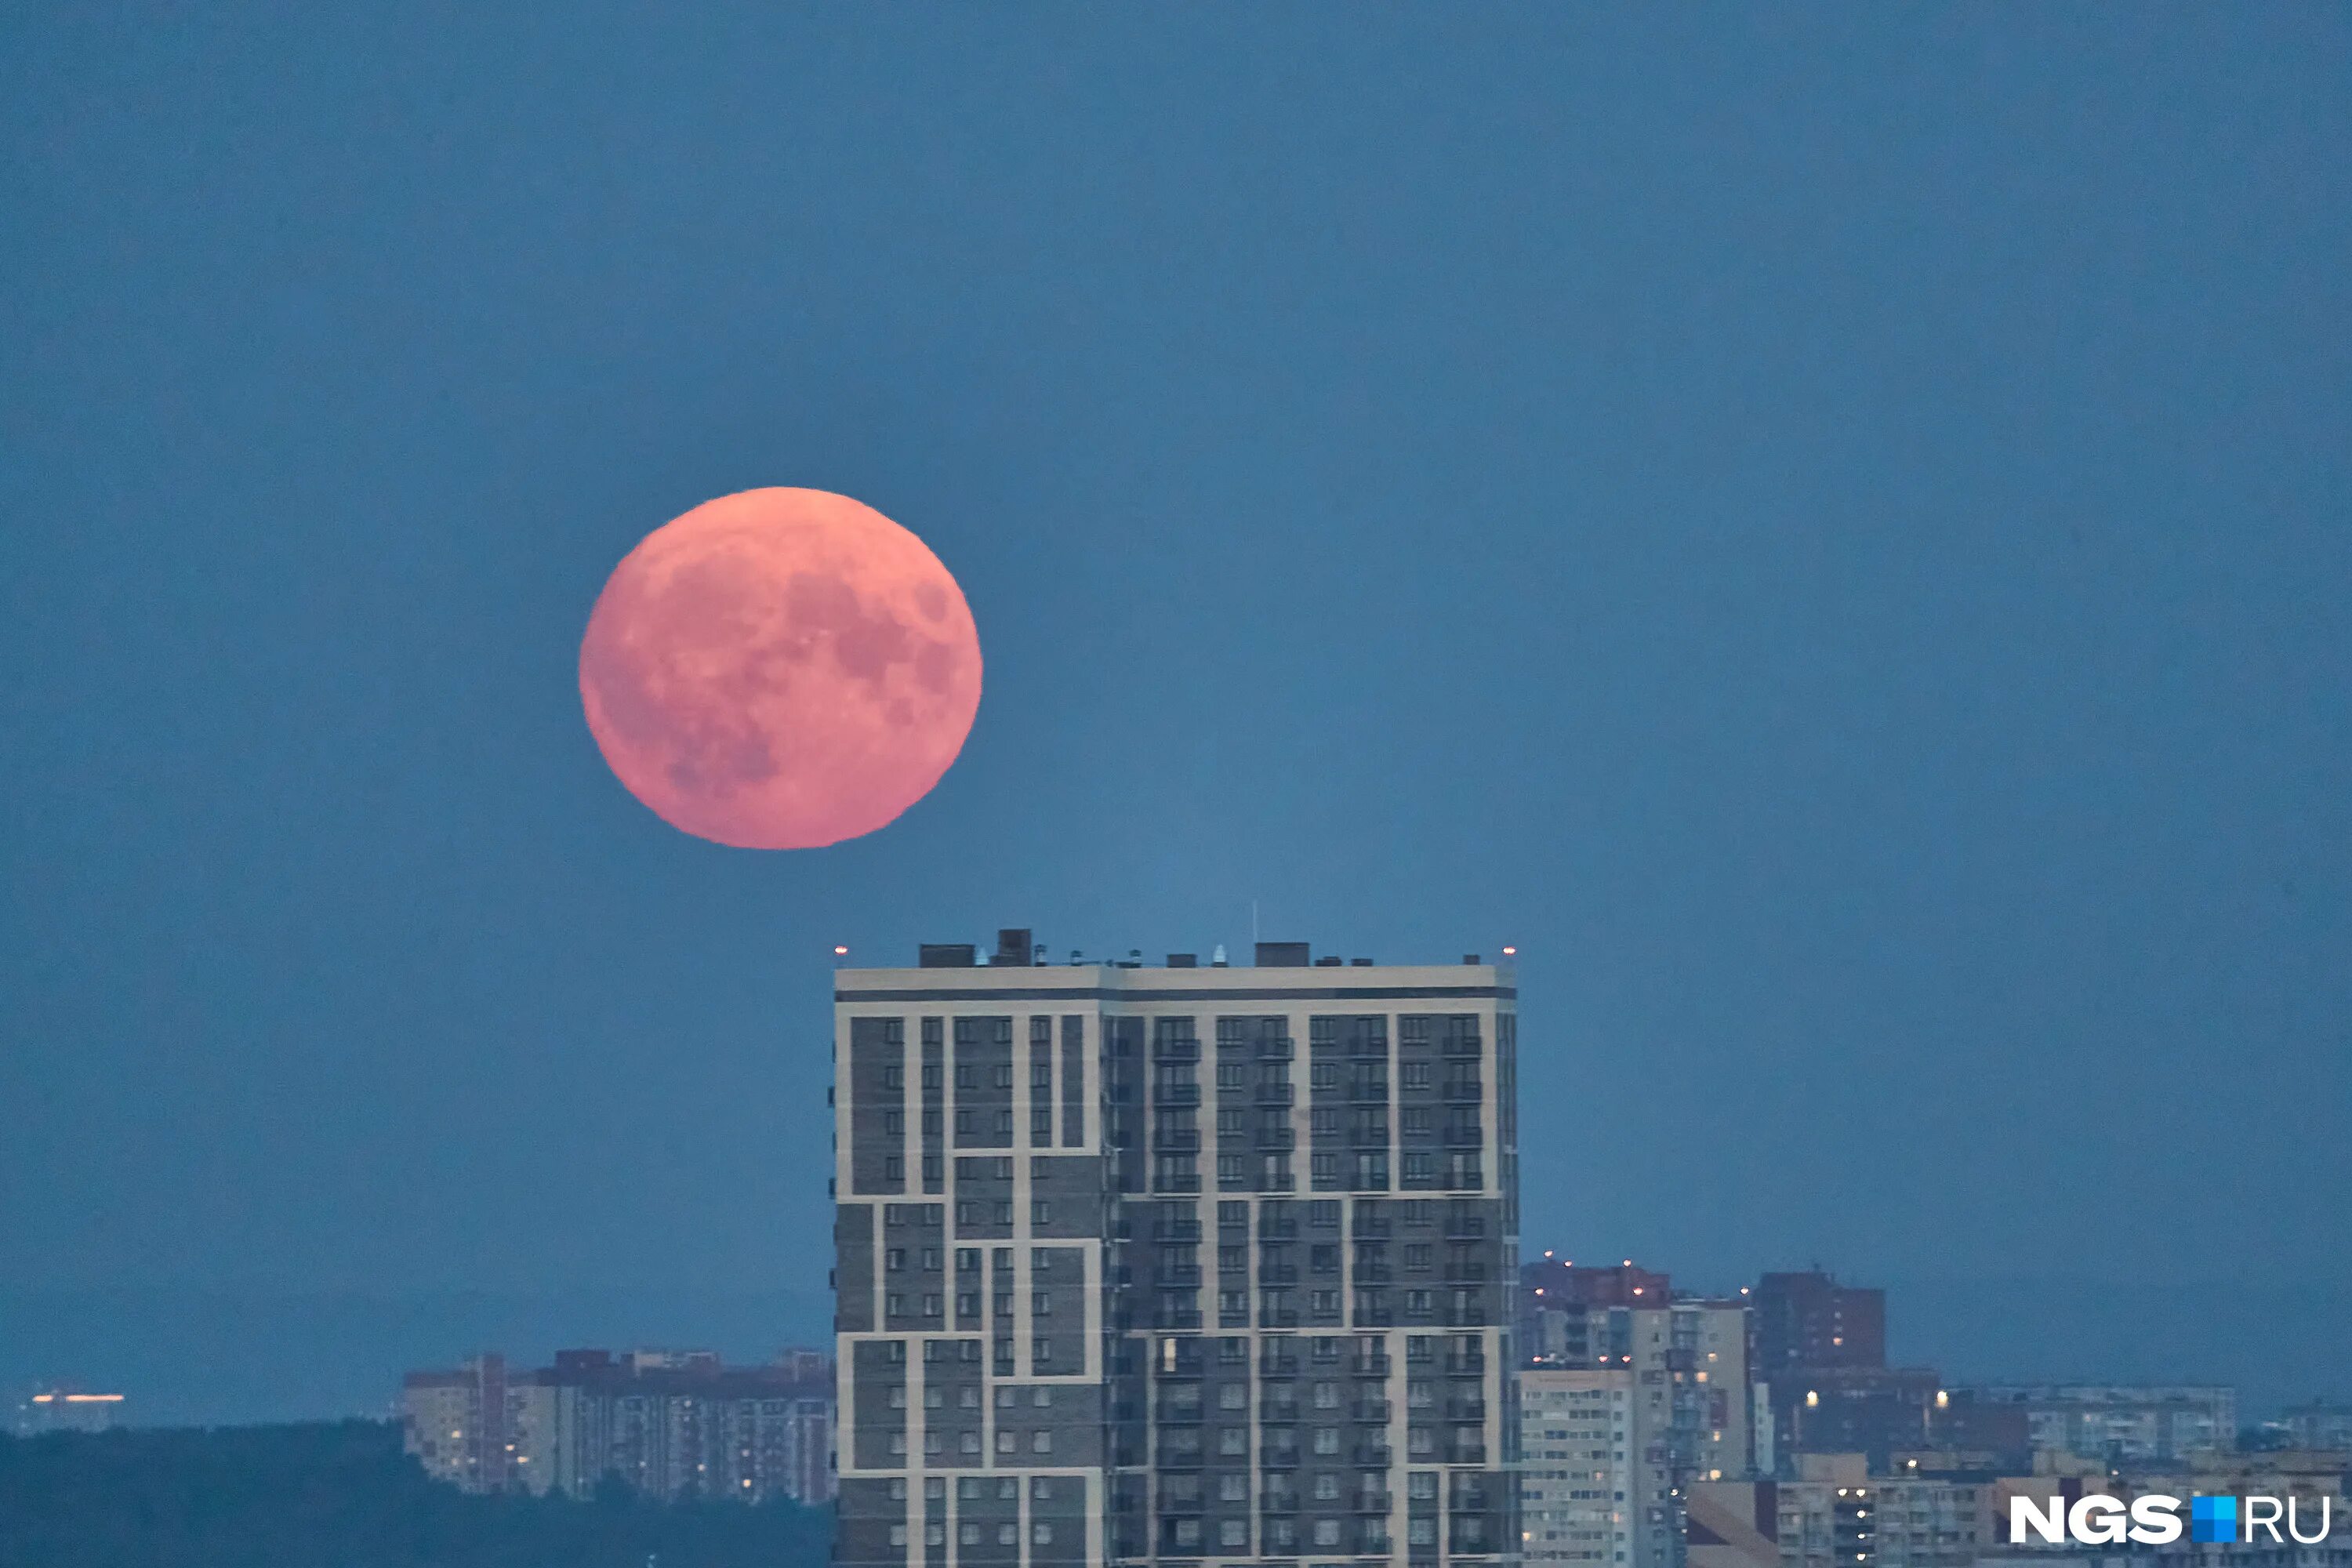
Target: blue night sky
{"x":1828,"y":529}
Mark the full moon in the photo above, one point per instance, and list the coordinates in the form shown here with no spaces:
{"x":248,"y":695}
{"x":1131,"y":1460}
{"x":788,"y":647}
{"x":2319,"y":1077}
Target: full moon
{"x":780,"y":669}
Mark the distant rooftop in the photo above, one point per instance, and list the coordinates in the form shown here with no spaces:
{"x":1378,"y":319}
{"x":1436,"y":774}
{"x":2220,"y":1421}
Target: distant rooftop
{"x":1018,"y":946}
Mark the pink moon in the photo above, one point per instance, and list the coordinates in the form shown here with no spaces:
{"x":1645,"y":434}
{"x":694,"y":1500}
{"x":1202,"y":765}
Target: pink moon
{"x":780,"y":669}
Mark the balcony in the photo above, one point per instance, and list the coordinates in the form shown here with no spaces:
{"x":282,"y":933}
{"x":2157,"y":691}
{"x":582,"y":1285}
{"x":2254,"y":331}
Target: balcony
{"x":1175,"y":1095}
{"x":1466,"y":1410}
{"x":1274,"y":1094}
{"x":1466,"y":1454}
{"x":1278,"y":1274}
{"x":1272,"y":1458}
{"x":1464,"y":1227}
{"x":1174,"y":1050}
{"x":1176,"y":1230}
{"x":1174,"y":1183}
{"x":1277,"y":1138}
{"x":1465,"y":1138}
{"x":1370,"y":1225}
{"x":1280,"y":1050}
{"x":1373,"y":1093}
{"x":1371,"y":1273}
{"x":1276,"y":1229}
{"x":1369,"y":1366}
{"x":1460,"y":1046}
{"x":1370,"y":1455}
{"x":1173,"y":1141}
{"x":1468,"y":1087}
{"x":1375,"y":1411}
{"x":1472,"y":1364}
{"x":1372,"y":1502}
{"x":1177,"y":1273}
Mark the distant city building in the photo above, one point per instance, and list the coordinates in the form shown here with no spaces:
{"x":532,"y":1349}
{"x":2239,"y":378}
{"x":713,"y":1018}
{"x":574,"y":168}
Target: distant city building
{"x":1583,"y":1481}
{"x":1876,"y":1411}
{"x":1837,"y":1515}
{"x":2121,"y":1423}
{"x":666,"y":1424}
{"x":1691,"y":1409}
{"x":2319,"y":1425}
{"x":1952,"y":1511}
{"x":67,"y":1410}
{"x":1809,"y":1320}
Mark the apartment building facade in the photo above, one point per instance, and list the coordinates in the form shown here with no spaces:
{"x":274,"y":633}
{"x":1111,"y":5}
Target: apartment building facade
{"x":666,"y":1424}
{"x":1584,"y":1480}
{"x":1691,"y":1409}
{"x":1185,"y":1264}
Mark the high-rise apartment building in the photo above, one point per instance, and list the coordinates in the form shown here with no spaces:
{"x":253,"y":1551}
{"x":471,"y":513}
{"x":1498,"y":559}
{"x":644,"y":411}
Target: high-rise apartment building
{"x":1809,"y":1320}
{"x":1584,"y":1479}
{"x":1183,"y":1264}
{"x":1691,"y":1413}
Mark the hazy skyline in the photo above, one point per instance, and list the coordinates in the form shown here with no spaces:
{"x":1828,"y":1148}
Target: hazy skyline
{"x":1827,"y":531}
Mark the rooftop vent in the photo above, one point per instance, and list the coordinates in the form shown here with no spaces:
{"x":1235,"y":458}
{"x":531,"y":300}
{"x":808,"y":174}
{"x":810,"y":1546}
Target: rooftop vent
{"x":1360,"y":962}
{"x":1183,"y":960}
{"x":1282,"y":955}
{"x":947,"y":955}
{"x":1013,"y":945}
{"x":1471,"y":958}
{"x":1332,"y":963}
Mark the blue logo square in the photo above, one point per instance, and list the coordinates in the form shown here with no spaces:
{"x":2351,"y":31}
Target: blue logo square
{"x":2213,"y":1518}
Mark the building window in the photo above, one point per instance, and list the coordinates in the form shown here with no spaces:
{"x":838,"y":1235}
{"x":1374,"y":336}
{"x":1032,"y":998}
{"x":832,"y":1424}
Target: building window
{"x":1042,"y":1533}
{"x":897,"y":1535}
{"x":1234,"y":1533}
{"x":1326,"y":1533}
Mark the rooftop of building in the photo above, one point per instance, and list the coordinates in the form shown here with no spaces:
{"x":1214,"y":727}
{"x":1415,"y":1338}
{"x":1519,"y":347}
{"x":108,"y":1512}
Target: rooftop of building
{"x":1017,"y":948}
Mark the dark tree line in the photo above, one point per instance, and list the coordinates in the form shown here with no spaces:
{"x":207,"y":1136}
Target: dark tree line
{"x":342,"y":1495}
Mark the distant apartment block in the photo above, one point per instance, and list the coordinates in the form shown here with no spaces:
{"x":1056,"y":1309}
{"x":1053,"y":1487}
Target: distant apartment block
{"x":1809,"y":1320}
{"x":67,"y":1410}
{"x":2121,"y":1423}
{"x":2321,"y":1424}
{"x":1584,"y":1479}
{"x":1690,"y":1404}
{"x":668,"y":1425}
{"x":1175,"y":1264}
{"x":1837,"y":1515}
